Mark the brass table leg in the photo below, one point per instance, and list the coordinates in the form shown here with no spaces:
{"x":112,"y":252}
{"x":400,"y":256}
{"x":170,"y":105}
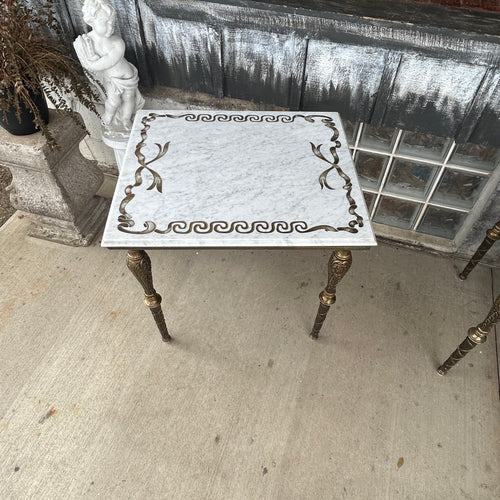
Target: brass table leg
{"x":139,"y":263}
{"x":338,"y":265}
{"x":475,"y":335}
{"x":492,"y":235}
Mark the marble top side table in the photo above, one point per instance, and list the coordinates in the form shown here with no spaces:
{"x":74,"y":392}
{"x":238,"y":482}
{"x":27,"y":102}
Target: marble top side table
{"x":237,"y":179}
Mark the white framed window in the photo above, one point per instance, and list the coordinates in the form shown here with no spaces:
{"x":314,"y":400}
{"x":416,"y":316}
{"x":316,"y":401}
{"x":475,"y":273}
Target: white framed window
{"x":419,"y":182}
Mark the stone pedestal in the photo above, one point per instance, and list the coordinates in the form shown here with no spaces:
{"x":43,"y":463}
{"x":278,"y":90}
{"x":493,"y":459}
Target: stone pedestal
{"x":56,"y":188}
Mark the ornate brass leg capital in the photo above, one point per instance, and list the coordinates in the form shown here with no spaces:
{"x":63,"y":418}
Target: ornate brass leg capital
{"x":338,"y":265}
{"x":139,"y":263}
{"x":476,"y":335}
{"x":492,"y":235}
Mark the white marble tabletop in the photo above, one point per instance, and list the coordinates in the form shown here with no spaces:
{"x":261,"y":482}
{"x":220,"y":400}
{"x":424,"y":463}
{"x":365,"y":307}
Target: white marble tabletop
{"x":237,"y":179}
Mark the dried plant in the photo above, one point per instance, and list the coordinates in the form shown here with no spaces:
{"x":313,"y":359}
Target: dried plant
{"x":34,"y":54}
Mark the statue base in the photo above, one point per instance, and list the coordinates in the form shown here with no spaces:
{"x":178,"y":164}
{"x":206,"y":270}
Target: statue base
{"x":118,"y":145}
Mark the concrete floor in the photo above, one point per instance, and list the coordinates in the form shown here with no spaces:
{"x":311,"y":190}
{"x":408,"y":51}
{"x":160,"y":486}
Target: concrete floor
{"x":242,"y":405}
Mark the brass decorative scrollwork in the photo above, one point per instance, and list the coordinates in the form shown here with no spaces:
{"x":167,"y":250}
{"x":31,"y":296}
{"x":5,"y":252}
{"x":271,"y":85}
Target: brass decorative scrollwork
{"x":139,"y":263}
{"x":476,"y":335}
{"x":492,"y":235}
{"x":338,"y":265}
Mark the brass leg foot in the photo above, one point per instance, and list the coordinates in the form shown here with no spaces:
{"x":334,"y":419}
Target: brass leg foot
{"x":475,"y":335}
{"x":464,"y":348}
{"x":338,"y":265}
{"x":492,"y":235}
{"x":139,"y":263}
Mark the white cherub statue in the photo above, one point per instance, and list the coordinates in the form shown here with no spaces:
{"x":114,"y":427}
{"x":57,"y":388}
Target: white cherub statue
{"x":102,"y":54}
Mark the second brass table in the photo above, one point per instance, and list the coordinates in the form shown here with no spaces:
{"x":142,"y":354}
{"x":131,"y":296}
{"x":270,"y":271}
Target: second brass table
{"x":237,"y":179}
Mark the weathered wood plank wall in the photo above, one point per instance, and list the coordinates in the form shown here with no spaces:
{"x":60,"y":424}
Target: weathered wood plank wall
{"x":420,"y":76}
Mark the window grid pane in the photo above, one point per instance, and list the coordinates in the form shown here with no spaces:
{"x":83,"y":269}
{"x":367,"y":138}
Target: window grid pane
{"x":441,"y":222}
{"x":410,"y":178}
{"x":419,"y":177}
{"x":396,"y":212}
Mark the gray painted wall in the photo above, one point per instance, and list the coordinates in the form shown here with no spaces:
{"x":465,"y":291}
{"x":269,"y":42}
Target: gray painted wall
{"x":444,"y":81}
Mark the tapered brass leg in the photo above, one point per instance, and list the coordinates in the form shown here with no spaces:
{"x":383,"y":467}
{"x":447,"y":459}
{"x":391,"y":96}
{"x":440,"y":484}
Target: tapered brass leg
{"x":475,"y":335}
{"x":139,"y":263}
{"x":492,"y":235}
{"x":338,"y":265}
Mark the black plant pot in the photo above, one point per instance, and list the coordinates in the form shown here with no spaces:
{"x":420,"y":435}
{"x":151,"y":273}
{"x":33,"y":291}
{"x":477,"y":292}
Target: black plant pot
{"x":26,"y":126}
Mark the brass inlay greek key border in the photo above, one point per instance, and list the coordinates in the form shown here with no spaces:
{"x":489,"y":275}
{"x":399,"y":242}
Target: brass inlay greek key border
{"x":126,"y":222}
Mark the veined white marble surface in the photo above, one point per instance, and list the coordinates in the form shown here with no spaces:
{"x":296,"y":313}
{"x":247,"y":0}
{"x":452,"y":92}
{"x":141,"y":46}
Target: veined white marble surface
{"x":237,"y":179}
